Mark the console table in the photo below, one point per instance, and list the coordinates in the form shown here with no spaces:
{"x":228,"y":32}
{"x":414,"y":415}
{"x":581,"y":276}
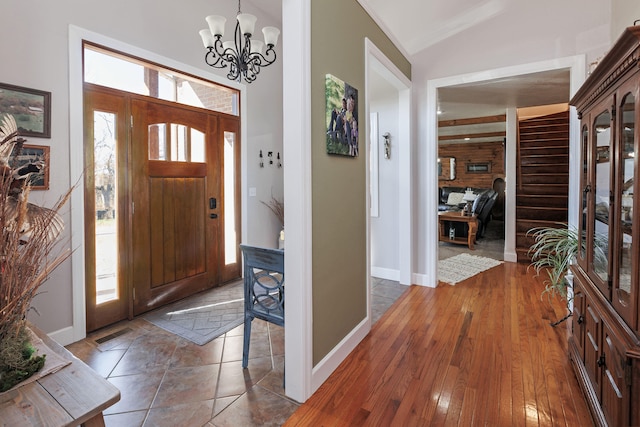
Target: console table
{"x":471,"y":220}
{"x":74,"y":395}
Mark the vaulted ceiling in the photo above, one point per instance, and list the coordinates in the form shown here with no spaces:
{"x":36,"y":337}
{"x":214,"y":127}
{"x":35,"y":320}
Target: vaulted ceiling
{"x":419,"y":24}
{"x":415,"y":25}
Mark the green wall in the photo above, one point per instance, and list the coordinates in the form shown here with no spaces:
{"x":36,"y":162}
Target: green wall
{"x":338,"y":32}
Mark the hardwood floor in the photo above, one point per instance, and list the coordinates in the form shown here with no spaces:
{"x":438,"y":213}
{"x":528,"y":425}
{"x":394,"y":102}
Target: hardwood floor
{"x":478,"y":353}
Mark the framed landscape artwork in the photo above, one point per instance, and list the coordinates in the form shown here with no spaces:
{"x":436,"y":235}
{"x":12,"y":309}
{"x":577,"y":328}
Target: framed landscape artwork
{"x":30,"y":107}
{"x":341,"y":117}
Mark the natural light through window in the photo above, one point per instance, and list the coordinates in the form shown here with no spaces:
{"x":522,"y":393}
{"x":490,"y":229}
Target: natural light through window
{"x":106,"y":230}
{"x":106,"y":68}
{"x":229,"y":199}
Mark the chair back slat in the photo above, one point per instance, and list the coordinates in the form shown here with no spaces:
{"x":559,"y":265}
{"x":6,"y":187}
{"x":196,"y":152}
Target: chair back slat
{"x":264,"y":283}
{"x":263,"y":258}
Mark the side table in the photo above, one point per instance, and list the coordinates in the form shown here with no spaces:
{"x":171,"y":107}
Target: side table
{"x":471,"y":220}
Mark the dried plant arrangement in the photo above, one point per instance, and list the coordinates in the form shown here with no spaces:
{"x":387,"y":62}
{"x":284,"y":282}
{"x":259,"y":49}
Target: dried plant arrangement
{"x":29,"y":236}
{"x":277,"y":207}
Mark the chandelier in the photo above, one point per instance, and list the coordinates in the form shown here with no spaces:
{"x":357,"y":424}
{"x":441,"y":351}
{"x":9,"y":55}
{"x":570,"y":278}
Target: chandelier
{"x":243,"y":55}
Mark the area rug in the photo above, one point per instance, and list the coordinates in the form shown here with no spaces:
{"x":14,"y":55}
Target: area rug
{"x":461,"y":267}
{"x":205,"y":316}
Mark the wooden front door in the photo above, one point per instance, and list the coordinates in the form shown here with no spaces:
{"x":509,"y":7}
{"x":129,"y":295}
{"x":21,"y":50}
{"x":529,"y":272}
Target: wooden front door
{"x":162,"y":202}
{"x":176,"y":202}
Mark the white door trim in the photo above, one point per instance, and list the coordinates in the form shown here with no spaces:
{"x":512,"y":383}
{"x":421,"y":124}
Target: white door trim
{"x":296,"y":70}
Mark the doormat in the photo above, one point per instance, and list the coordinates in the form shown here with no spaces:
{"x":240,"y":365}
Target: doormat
{"x":461,"y":267}
{"x":203,"y":317}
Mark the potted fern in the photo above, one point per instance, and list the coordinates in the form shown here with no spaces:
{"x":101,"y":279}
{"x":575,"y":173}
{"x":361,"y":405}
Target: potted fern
{"x":554,"y":250}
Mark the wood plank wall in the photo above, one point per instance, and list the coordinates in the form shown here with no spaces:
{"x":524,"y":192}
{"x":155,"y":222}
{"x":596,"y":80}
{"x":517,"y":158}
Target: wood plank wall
{"x":492,"y":152}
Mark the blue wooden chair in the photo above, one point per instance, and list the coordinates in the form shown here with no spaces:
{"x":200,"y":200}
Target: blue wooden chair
{"x":263,"y":289}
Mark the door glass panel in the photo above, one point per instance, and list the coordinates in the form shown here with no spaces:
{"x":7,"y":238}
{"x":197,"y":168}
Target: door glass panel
{"x":178,"y":143}
{"x":106,"y":209}
{"x":229,"y":199}
{"x":158,"y":141}
{"x":197,"y":146}
{"x":584,"y":182}
{"x":627,"y":133}
{"x":602,"y":193}
{"x":187,"y":145}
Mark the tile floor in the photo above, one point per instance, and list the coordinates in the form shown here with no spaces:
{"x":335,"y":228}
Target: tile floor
{"x":165,"y":380}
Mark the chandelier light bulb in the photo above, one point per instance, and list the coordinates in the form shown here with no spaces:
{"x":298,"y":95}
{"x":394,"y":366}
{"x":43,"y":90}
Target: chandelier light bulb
{"x":257,"y":46}
{"x":207,"y":38}
{"x":270,"y":35}
{"x":247,"y":23}
{"x":216,"y":24}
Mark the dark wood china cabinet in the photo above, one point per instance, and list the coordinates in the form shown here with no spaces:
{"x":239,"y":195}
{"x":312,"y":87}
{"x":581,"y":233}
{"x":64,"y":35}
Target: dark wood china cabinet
{"x":605,"y":342}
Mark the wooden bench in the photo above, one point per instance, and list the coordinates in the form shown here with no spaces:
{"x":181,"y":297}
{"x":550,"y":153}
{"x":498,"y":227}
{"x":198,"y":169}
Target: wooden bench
{"x":74,"y":395}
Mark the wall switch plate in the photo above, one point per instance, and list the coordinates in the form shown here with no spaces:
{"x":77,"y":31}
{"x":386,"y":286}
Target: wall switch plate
{"x":252,"y":192}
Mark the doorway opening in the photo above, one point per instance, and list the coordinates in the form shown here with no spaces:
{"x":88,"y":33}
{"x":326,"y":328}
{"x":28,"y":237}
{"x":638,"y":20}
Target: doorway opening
{"x":570,"y":71}
{"x":389,"y":180}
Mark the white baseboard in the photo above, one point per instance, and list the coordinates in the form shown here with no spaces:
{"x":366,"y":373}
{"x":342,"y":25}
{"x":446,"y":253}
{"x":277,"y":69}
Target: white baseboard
{"x":330,"y":362}
{"x":385,"y":273}
{"x":64,"y":336}
{"x":511,"y":257}
{"x":423,"y":280}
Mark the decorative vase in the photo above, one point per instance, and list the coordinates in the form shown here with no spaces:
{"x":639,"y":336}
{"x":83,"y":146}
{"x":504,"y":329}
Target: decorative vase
{"x":281,"y":239}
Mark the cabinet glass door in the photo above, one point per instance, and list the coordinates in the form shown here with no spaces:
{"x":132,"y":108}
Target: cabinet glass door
{"x":584,"y":183}
{"x":622,"y":284}
{"x":600,"y":200}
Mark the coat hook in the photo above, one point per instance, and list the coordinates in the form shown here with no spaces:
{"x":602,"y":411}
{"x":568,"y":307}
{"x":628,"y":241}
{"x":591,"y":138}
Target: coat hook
{"x":261,"y":162}
{"x":387,"y":145}
{"x":270,"y":155}
{"x":279,"y":162}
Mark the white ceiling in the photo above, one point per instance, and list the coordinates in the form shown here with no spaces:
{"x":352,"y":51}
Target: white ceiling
{"x":415,"y":25}
{"x":418,"y":24}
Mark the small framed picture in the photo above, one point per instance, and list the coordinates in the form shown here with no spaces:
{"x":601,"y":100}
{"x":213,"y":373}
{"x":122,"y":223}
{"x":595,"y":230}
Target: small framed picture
{"x":602,"y":154}
{"x":30,"y":107}
{"x":482,"y":167}
{"x":37,"y":155}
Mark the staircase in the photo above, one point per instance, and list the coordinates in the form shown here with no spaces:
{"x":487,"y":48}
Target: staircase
{"x":543,"y":176}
